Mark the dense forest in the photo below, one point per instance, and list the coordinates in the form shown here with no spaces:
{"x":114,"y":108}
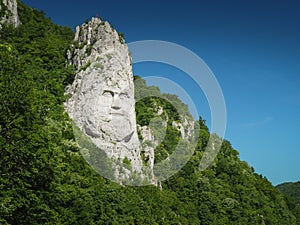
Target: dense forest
{"x":292,"y":192}
{"x":45,"y":180}
{"x":291,"y":189}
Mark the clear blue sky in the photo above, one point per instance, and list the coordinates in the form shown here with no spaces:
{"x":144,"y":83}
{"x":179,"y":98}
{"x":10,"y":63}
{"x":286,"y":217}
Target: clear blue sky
{"x":253,"y":48}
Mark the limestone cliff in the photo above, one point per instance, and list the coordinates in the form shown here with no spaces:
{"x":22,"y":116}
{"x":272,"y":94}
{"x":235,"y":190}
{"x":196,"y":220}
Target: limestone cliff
{"x":102,"y":96}
{"x":9,"y":12}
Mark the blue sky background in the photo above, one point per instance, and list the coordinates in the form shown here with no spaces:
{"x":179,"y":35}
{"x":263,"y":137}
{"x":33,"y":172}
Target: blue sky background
{"x":252,"y":47}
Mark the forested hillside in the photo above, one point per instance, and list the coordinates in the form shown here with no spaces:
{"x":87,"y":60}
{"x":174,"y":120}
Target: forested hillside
{"x":292,"y":192}
{"x":45,"y":180}
{"x":291,"y":189}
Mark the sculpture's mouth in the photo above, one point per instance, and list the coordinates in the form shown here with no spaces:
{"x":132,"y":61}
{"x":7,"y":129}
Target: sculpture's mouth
{"x":117,"y":113}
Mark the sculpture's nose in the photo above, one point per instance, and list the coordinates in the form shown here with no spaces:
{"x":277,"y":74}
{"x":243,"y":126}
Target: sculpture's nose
{"x":116,"y":104}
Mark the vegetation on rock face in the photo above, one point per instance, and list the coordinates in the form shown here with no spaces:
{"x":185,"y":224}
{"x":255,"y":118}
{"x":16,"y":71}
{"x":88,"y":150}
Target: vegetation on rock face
{"x":4,"y":12}
{"x":45,"y":180}
{"x":146,"y":111}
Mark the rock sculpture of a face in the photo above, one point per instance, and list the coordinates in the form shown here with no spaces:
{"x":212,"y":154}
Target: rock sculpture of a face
{"x":115,"y":120}
{"x":102,"y":102}
{"x":112,"y":117}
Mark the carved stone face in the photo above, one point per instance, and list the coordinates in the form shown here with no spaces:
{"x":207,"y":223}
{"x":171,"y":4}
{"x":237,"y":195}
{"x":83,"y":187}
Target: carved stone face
{"x":110,"y":113}
{"x":115,"y":110}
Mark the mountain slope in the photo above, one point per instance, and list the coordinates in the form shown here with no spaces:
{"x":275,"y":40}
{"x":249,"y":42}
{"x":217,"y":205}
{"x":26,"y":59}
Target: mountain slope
{"x":292,"y":192}
{"x":45,"y":180}
{"x":291,"y":189}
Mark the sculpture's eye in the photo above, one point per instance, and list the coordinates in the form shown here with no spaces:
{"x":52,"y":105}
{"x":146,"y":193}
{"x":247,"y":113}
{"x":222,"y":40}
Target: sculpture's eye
{"x":123,"y":96}
{"x":107,"y":93}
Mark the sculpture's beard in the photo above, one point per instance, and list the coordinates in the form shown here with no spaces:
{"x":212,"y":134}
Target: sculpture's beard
{"x":119,"y":128}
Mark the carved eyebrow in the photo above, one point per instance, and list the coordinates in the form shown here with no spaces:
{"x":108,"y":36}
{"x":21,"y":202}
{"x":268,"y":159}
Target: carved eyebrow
{"x":124,"y":94}
{"x":108,"y":91}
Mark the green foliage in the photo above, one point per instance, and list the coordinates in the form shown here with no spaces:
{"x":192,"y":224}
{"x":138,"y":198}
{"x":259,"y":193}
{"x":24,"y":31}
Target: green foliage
{"x":146,"y":110}
{"x":45,"y":180}
{"x":4,"y":11}
{"x":292,"y":192}
{"x":86,"y":66}
{"x":126,"y":161}
{"x":121,"y":38}
{"x":291,"y":189}
{"x":88,"y":50}
{"x":98,"y":66}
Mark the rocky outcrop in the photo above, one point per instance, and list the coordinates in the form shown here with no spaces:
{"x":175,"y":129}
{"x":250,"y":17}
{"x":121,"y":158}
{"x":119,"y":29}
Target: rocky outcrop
{"x":153,"y":134}
{"x":9,"y":12}
{"x":149,"y":143}
{"x":102,"y":96}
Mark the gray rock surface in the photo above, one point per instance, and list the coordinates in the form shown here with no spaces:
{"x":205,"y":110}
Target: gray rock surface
{"x":150,"y":142}
{"x":102,"y":95}
{"x":10,"y":10}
